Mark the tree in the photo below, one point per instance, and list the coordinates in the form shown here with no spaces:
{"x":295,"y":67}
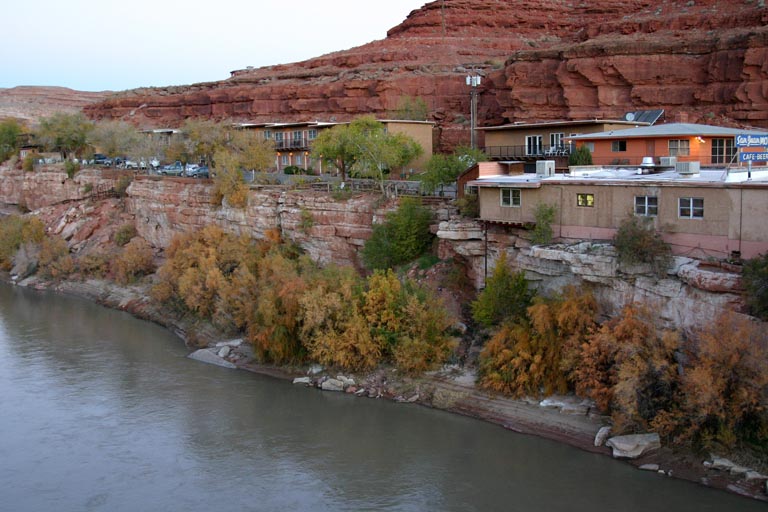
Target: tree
{"x":366,"y":148}
{"x":505,"y":298}
{"x":582,"y":156}
{"x":65,"y":133}
{"x":445,"y":169}
{"x":10,"y":129}
{"x":336,"y":147}
{"x":204,"y":137}
{"x":115,"y":138}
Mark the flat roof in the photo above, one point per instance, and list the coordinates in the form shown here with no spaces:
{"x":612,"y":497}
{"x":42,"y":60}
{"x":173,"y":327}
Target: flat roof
{"x":561,"y":123}
{"x":634,"y":175}
{"x":668,"y":130}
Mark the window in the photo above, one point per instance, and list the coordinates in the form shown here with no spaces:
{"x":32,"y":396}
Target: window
{"x":691,"y":208}
{"x":285,"y":160}
{"x":297,"y":135}
{"x":312,"y":133}
{"x":646,"y":206}
{"x":587,"y":200}
{"x":299,"y":160}
{"x":470,"y":190}
{"x":679,"y":147}
{"x":556,"y":139}
{"x":533,"y":144}
{"x":268,"y":134}
{"x":510,"y":197}
{"x":619,"y":146}
{"x":278,"y":136}
{"x":723,"y":151}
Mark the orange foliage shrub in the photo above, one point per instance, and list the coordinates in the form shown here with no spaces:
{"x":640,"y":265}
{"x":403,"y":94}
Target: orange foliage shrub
{"x":725,"y":387}
{"x":534,"y":356}
{"x":136,"y":260}
{"x":54,"y":259}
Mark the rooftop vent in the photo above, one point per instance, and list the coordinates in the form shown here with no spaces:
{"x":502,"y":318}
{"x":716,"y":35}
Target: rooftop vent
{"x":688,"y":168}
{"x":545,"y":168}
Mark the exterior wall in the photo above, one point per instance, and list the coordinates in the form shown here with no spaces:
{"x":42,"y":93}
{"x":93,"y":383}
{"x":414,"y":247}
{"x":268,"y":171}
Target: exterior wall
{"x":421,"y":133}
{"x":733,"y":222}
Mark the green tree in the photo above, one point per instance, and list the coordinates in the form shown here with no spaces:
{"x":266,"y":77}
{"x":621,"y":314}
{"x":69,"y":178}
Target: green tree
{"x":10,"y":129}
{"x":65,"y":133}
{"x":401,"y":238}
{"x":365,"y":147}
{"x":506,"y":296}
{"x":582,"y":156}
{"x":445,"y":169}
{"x":755,"y":277}
{"x":545,"y":215}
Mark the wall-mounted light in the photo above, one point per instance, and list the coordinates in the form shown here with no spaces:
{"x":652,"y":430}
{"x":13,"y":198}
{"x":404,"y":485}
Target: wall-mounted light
{"x":700,"y":139}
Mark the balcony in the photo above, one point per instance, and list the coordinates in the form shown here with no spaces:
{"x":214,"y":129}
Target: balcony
{"x":527,"y":153}
{"x":301,"y":144}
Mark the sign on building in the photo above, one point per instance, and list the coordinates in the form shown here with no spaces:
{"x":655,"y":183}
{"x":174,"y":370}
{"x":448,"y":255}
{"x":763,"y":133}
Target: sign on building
{"x":748,"y":140}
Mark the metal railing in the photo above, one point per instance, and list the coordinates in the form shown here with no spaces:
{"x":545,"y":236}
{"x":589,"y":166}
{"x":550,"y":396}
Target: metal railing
{"x":527,"y":152}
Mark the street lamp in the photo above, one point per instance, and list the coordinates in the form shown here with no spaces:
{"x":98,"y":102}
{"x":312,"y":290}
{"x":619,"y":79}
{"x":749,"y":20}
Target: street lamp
{"x":473,"y":80}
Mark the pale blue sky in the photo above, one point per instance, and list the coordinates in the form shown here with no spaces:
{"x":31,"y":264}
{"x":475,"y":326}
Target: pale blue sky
{"x":95,"y":45}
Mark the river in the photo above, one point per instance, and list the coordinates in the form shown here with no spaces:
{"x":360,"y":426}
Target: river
{"x":101,"y":411}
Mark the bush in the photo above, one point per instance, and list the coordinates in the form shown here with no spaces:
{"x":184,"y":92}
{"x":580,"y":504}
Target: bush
{"x":755,"y":278}
{"x":545,"y":216}
{"x":71,"y":168}
{"x":55,"y":261}
{"x":505,"y":297}
{"x":534,"y":355}
{"x":121,"y":187}
{"x":124,"y":234}
{"x":401,"y":238}
{"x":469,"y":206}
{"x":29,"y":162}
{"x":94,"y":265}
{"x":582,"y":156}
{"x":88,"y":188}
{"x":136,"y":260}
{"x":15,"y":231}
{"x":636,"y":242}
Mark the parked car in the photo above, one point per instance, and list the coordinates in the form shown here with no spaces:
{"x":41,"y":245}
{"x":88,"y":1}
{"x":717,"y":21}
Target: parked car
{"x":199,"y":172}
{"x":101,"y":159}
{"x":131,"y":164}
{"x":175,"y":169}
{"x":190,"y":168}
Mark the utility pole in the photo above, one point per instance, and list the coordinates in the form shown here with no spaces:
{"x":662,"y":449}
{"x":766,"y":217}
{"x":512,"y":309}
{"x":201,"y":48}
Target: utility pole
{"x":473,"y":80}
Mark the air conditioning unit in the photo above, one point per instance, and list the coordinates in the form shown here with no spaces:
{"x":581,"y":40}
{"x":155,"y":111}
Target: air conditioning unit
{"x":688,"y":167}
{"x":545,"y":168}
{"x":668,"y":161}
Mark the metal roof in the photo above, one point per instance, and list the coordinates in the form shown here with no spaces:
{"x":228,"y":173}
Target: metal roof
{"x":561,"y":123}
{"x":668,"y":130}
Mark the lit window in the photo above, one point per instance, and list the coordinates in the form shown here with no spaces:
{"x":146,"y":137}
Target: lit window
{"x":679,"y":147}
{"x":587,"y":200}
{"x":646,"y":206}
{"x":691,"y":208}
{"x":619,"y":146}
{"x":510,"y":197}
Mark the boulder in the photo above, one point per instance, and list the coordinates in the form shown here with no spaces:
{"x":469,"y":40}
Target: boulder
{"x":633,"y":446}
{"x":332,"y":385}
{"x":224,"y":352}
{"x":602,"y":435}
{"x":307,"y":381}
{"x":206,"y":356}
{"x":650,"y":467}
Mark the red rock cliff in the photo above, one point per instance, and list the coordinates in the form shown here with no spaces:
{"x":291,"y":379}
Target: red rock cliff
{"x":557,"y":60}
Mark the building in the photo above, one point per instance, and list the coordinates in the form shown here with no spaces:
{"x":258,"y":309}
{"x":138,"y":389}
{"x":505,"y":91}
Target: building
{"x":293,"y":141}
{"x":663,"y":144}
{"x":713,"y":213}
{"x":531,"y":142}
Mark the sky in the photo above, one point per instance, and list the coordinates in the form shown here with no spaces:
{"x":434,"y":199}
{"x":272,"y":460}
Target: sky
{"x":101,"y":45}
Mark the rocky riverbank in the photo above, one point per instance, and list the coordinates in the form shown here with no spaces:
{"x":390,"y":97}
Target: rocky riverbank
{"x":563,"y":419}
